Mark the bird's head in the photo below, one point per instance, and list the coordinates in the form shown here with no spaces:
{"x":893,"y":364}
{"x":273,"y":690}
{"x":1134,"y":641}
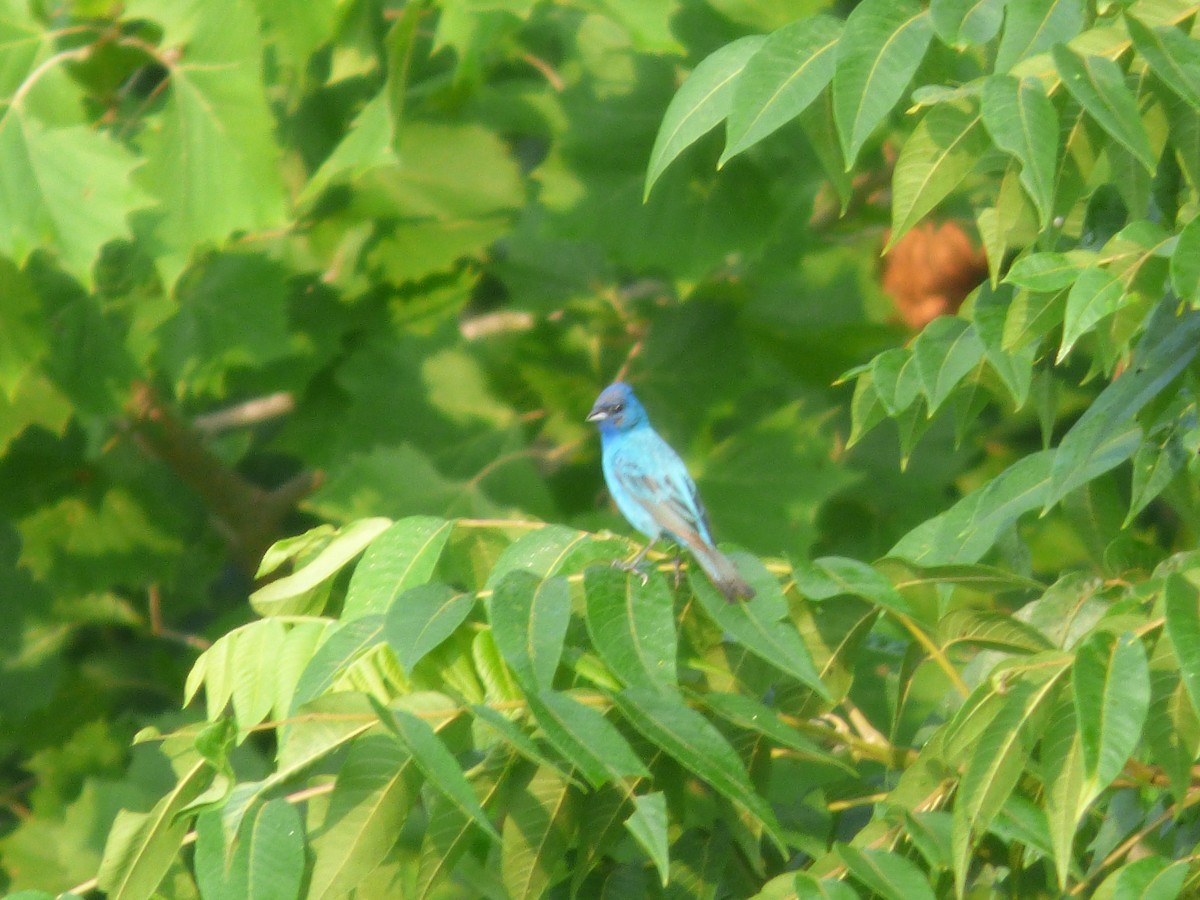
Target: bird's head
{"x":617,"y":408}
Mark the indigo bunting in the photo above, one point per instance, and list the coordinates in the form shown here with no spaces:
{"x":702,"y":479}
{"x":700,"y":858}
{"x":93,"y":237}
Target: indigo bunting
{"x":653,"y":490}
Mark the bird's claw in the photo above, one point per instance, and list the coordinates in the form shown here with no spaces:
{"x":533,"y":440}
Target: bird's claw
{"x":634,"y":568}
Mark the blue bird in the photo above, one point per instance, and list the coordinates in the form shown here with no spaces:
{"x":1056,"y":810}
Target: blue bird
{"x":653,"y":490}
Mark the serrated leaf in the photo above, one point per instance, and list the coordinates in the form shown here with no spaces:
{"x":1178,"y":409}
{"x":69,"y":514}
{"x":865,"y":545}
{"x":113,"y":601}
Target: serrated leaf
{"x":648,"y":825}
{"x":1096,"y":294}
{"x":879,"y":52}
{"x":632,"y":625}
{"x":68,"y":190}
{"x":402,"y":557}
{"x":689,"y":738}
{"x":760,"y":625}
{"x":700,"y":104}
{"x":441,"y":770}
{"x":1022,"y":121}
{"x":786,"y":74}
{"x":368,"y":143}
{"x":529,"y":619}
{"x":1182,"y":602}
{"x":1106,"y":434}
{"x":944,"y":148}
{"x":1098,"y":84}
{"x":421,"y":618}
{"x":585,"y":739}
{"x":212,"y":161}
{"x":295,"y":594}
{"x":374,"y":792}
{"x":887,"y":874}
{"x":1111,"y":682}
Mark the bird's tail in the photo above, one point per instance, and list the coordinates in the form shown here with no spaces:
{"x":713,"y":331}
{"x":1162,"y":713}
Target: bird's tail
{"x":721,"y":572}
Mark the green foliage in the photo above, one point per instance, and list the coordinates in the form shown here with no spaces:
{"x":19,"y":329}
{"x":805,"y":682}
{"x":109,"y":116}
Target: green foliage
{"x":353,"y":272}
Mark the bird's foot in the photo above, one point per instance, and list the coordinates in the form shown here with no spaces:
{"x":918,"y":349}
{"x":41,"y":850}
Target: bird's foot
{"x":677,"y":562}
{"x":631,"y":566}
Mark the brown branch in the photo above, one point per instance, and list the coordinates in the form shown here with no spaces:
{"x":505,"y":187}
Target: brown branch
{"x":248,"y":517}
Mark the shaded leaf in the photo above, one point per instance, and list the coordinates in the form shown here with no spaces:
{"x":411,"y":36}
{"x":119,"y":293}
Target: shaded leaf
{"x":1034,"y":26}
{"x":648,"y":825}
{"x":1022,"y":121}
{"x":1098,"y":84}
{"x":529,"y":620}
{"x":1111,"y":680}
{"x":632,"y":625}
{"x":421,"y":618}
{"x":1096,"y":294}
{"x":585,"y":738}
{"x":1182,"y":602}
{"x":887,"y":874}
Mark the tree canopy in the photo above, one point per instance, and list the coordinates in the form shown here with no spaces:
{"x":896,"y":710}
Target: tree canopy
{"x":304,"y":547}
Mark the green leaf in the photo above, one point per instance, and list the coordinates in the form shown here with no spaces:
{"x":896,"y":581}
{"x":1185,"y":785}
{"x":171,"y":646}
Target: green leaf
{"x":421,"y":618}
{"x":1172,"y":55}
{"x":516,"y":737}
{"x":963,"y":22}
{"x":695,"y":744}
{"x":1096,"y":294}
{"x":1031,"y":316}
{"x":297,"y":594}
{"x":529,"y":620}
{"x":748,"y":713}
{"x":349,"y":642}
{"x":945,"y":147}
{"x":995,"y":762}
{"x":402,"y":557}
{"x":1149,"y":878}
{"x":585,"y":739}
{"x":67,"y":189}
{"x":632,"y":625}
{"x":538,"y":832}
{"x":367,"y":144}
{"x":760,"y":625}
{"x":807,"y":887}
{"x":1047,"y":271}
{"x":1185,"y":263}
{"x":541,"y":552}
{"x":442,"y":771}
{"x":1106,"y":434}
{"x":22,"y":329}
{"x":700,"y":104}
{"x":142,"y":846}
{"x":881,"y":48}
{"x":831,"y":576}
{"x":786,"y":74}
{"x":372,"y":798}
{"x":1065,"y":783}
{"x":1111,"y":680}
{"x":1022,"y":121}
{"x":1154,"y":466}
{"x":887,"y":874}
{"x":1034,"y":26}
{"x":944,"y":353}
{"x":1098,"y":84}
{"x":269,"y":857}
{"x":648,"y":825}
{"x":1182,"y":602}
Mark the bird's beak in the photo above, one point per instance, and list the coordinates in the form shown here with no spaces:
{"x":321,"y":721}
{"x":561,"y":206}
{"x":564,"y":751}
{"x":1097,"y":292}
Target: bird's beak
{"x":596,"y":415}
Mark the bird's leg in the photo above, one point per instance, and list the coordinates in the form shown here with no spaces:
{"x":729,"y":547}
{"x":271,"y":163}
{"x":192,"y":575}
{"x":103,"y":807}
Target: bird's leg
{"x":678,"y":563}
{"x":634,"y":565}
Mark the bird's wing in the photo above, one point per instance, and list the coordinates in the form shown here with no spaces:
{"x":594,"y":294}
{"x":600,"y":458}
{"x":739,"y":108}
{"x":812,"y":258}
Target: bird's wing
{"x":655,"y":477}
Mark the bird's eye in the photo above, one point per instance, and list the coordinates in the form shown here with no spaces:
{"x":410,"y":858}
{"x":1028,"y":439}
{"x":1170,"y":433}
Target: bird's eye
{"x":618,"y":407}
